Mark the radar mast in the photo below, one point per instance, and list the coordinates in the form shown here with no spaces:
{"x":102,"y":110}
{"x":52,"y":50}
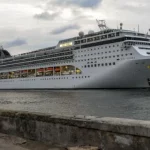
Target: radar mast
{"x":102,"y":25}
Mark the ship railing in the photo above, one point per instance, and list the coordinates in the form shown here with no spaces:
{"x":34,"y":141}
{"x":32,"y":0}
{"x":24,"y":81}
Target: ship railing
{"x":31,"y":65}
{"x":36,"y":61}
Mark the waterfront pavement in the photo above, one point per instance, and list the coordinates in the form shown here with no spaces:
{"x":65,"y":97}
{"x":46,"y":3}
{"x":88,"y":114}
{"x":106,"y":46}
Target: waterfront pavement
{"x":15,"y":143}
{"x":8,"y":142}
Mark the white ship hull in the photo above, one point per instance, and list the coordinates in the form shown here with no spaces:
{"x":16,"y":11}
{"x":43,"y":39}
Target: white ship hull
{"x":127,"y":74}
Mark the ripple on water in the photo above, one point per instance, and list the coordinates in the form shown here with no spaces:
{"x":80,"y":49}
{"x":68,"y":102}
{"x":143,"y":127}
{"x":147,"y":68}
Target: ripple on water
{"x":103,"y":103}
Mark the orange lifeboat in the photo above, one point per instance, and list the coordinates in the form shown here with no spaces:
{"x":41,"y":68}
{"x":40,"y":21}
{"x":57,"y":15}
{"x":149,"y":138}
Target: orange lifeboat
{"x":49,"y":69}
{"x":57,"y":69}
{"x":40,"y":70}
{"x":24,"y":71}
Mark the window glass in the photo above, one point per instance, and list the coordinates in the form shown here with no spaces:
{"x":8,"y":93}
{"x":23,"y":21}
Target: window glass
{"x":83,"y":41}
{"x":90,"y":40}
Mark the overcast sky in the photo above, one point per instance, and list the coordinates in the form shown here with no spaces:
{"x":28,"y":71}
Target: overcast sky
{"x":27,"y":25}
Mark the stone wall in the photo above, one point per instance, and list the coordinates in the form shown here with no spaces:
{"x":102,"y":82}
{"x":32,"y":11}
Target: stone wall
{"x":105,"y":133}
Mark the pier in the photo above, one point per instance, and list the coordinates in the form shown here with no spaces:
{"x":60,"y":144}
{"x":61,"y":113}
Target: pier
{"x":75,"y":131}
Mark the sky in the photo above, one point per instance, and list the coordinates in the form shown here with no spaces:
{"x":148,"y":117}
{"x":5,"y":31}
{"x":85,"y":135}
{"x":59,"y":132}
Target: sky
{"x":27,"y":25}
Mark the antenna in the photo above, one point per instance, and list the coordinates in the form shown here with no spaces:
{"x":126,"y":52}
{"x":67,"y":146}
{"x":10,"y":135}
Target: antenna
{"x":102,"y":24}
{"x":146,"y":35}
{"x":1,"y":47}
{"x":138,"y":28}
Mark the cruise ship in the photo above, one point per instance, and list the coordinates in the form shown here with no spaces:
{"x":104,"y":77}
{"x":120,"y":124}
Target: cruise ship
{"x":110,"y":58}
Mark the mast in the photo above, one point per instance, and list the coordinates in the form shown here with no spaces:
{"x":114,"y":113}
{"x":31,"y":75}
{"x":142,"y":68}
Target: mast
{"x":1,"y":47}
{"x":102,"y":25}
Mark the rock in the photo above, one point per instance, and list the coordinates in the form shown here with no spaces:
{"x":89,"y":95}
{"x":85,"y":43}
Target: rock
{"x":18,"y":141}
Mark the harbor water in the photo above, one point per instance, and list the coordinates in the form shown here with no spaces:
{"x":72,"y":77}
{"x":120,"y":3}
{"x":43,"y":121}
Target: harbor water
{"x":134,"y":104}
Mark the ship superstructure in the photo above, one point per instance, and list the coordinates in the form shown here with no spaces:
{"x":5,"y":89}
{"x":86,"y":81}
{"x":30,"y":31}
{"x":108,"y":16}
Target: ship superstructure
{"x":110,"y":58}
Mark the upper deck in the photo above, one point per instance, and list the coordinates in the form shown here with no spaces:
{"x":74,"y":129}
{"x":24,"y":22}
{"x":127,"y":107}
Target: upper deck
{"x":104,"y":36}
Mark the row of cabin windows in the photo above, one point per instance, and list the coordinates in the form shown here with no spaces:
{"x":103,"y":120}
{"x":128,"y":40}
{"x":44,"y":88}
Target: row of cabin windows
{"x":101,"y":53}
{"x":94,"y":54}
{"x":77,"y":77}
{"x":97,"y":38}
{"x":126,"y":58}
{"x":54,"y":78}
{"x":96,"y":48}
{"x":135,"y":43}
{"x":81,"y":77}
{"x":113,"y":51}
{"x":99,"y":65}
{"x":41,"y":79}
{"x":114,"y":56}
{"x":145,"y":48}
{"x":138,"y":39}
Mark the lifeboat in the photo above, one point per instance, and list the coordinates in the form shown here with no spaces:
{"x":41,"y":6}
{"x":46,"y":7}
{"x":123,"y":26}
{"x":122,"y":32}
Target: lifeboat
{"x":49,"y":69}
{"x":24,"y":71}
{"x":57,"y":69}
{"x":40,"y":70}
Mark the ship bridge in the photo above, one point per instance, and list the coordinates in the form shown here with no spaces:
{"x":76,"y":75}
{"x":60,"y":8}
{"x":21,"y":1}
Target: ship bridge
{"x":66,"y":43}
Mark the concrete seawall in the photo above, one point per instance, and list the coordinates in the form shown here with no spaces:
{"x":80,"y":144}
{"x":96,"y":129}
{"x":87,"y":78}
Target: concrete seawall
{"x":105,"y":133}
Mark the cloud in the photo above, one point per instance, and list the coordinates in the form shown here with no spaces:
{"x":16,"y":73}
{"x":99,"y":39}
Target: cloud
{"x":81,"y":3}
{"x":136,"y":7}
{"x":14,"y":43}
{"x":65,"y":28}
{"x":23,"y":19}
{"x":46,"y":16}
